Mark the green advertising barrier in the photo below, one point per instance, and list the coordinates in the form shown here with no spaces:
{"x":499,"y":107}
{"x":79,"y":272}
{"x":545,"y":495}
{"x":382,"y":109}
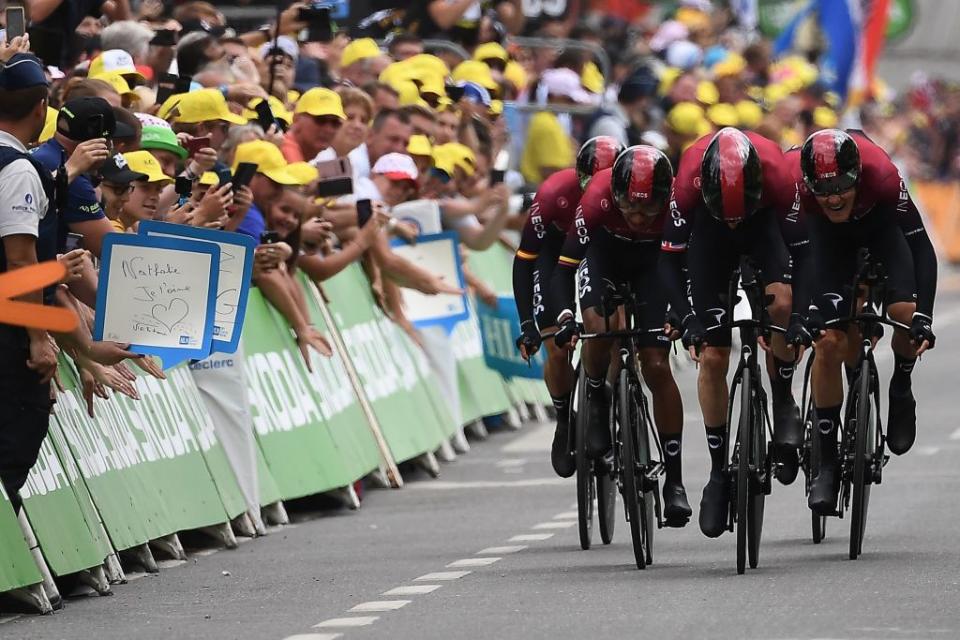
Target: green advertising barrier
{"x":60,"y":510}
{"x":17,"y":568}
{"x":297,"y":446}
{"x":482,"y":391}
{"x":389,"y":374}
{"x":495,"y":267}
{"x":142,"y":460}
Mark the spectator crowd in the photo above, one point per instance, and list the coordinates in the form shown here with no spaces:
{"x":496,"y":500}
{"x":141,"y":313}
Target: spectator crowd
{"x":112,"y":114}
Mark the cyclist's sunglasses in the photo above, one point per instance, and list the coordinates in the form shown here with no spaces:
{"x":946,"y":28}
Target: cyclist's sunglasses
{"x":832,"y":186}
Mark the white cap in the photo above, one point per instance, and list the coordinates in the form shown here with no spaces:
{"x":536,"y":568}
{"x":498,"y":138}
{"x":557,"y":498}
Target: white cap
{"x":117,"y":60}
{"x":683,"y":54}
{"x":396,"y":166}
{"x":285,"y":43}
{"x":699,"y":5}
{"x":566,"y":83}
{"x":149,"y":120}
{"x":669,"y":32}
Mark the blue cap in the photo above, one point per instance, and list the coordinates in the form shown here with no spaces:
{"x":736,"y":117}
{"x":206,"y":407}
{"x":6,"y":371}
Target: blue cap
{"x":22,"y":71}
{"x":475,"y":93}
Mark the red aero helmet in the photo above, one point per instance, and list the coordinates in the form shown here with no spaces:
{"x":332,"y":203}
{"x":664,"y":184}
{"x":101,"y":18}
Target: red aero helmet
{"x":731,"y":177}
{"x":641,"y":180}
{"x":830,"y":161}
{"x":595,"y":155}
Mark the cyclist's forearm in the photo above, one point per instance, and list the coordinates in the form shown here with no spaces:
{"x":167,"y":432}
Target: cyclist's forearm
{"x":523,"y":271}
{"x":563,"y":287}
{"x":670,"y":270}
{"x":802,"y":278}
{"x":925,"y":271}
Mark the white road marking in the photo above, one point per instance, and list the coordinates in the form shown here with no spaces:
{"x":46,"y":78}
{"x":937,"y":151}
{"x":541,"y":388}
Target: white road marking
{"x":380,"y":605}
{"x":315,"y":636}
{"x":412,"y":590}
{"x":440,"y":576}
{"x":11,"y":618}
{"x":515,"y":471}
{"x":473,"y":562}
{"x":927,"y":451}
{"x":359,"y":621}
{"x":511,"y":462}
{"x":955,"y":435}
{"x":502,"y":550}
{"x":554,"y":525}
{"x":531,"y":537}
{"x":566,"y":515}
{"x":440,"y":485}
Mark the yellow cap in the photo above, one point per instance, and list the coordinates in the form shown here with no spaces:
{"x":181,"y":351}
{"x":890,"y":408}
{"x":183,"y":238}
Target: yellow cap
{"x":475,"y":71}
{"x":462,"y":156}
{"x":490,"y":51}
{"x":723,"y":115}
{"x":165,"y":110}
{"x":707,"y":92}
{"x":144,"y":162}
{"x":419,"y":145}
{"x":443,"y":159}
{"x":445,"y":104}
{"x":750,"y":114}
{"x":774,"y":93}
{"x":49,"y":125}
{"x":429,"y":63}
{"x":304,"y":172}
{"x":515,"y":74}
{"x":591,"y":78}
{"x":496,"y":107}
{"x":433,"y":84}
{"x":732,"y":65}
{"x":832,"y":99}
{"x":825,"y":117}
{"x":203,"y":105}
{"x":667,"y":78}
{"x":116,"y":60}
{"x":116,"y":80}
{"x":409,"y":93}
{"x":279,"y":109}
{"x":686,"y":118}
{"x":358,"y":50}
{"x":209,"y":178}
{"x":790,"y":137}
{"x":401,"y":71}
{"x":321,"y":102}
{"x":270,"y":162}
{"x":694,"y":19}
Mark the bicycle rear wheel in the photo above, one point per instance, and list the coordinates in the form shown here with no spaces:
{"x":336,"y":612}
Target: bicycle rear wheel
{"x":758,"y":460}
{"x":811,"y":467}
{"x":744,"y":439}
{"x":631,"y":488}
{"x":863,"y":447}
{"x":648,"y":487}
{"x":585,"y":482}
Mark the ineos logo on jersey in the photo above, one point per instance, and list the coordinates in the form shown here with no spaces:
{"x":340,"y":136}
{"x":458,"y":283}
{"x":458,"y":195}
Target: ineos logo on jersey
{"x":581,"y":226}
{"x":678,"y":219}
{"x":794,"y":214}
{"x":583,"y":280}
{"x":636,"y":195}
{"x":537,"y":220}
{"x":904,"y":198}
{"x":538,"y":307}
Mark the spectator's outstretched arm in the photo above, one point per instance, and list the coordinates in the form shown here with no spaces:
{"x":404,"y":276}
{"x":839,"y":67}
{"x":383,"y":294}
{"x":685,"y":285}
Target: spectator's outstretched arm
{"x":41,"y":9}
{"x":92,"y":232}
{"x":510,"y":13}
{"x":320,"y":268}
{"x":275,"y":287}
{"x":446,"y":13}
{"x":480,"y":237}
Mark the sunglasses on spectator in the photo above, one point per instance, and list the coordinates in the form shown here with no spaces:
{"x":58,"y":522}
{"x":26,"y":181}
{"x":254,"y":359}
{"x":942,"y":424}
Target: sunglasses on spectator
{"x":327,"y":121}
{"x":118,"y":189}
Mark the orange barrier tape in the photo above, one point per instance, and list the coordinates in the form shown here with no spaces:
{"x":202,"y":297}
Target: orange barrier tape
{"x":26,"y":314}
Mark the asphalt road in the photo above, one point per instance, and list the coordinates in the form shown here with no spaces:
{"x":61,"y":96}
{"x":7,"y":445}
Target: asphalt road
{"x":365,"y":574}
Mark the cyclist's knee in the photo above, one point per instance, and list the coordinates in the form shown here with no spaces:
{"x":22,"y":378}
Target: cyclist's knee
{"x":779,"y":308}
{"x":594,"y":322}
{"x":714,"y":361}
{"x":656,"y":369}
{"x":902,"y":311}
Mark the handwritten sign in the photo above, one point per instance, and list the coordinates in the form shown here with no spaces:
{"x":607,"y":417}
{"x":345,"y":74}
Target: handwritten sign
{"x":233,"y":284}
{"x":158,"y":294}
{"x":499,"y":329}
{"x":437,"y":253}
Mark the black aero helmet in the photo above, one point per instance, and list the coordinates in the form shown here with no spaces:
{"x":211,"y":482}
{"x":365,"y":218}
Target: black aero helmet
{"x":830,"y":162}
{"x":595,"y":155}
{"x":642,"y":177}
{"x":731,"y":177}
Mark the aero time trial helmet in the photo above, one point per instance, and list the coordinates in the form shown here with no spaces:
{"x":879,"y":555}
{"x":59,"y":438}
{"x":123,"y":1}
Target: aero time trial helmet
{"x":830,"y":162}
{"x":641,"y":181}
{"x":595,"y":155}
{"x":731,"y":177}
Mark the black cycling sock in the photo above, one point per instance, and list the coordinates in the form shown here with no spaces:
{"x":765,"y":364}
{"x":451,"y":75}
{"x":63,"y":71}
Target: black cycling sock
{"x":781,"y":382}
{"x":828,"y":422}
{"x":717,"y":446}
{"x":594,"y":385}
{"x":672,"y":445}
{"x":902,"y":368}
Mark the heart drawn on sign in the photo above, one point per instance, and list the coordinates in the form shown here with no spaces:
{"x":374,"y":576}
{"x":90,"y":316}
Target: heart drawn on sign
{"x":170,"y":315}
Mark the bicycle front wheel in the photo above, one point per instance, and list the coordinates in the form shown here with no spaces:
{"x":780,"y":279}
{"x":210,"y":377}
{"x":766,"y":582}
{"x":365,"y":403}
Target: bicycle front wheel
{"x":756,"y":488}
{"x":606,"y":501}
{"x":744,"y":439}
{"x":631,"y":488}
{"x":811,"y":465}
{"x":863,"y":447}
{"x":585,"y":481}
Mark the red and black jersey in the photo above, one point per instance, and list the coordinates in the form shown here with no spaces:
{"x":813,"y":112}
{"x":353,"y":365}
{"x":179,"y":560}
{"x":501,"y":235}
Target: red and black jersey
{"x":554,"y":205}
{"x":687,"y":200}
{"x":597,"y":211}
